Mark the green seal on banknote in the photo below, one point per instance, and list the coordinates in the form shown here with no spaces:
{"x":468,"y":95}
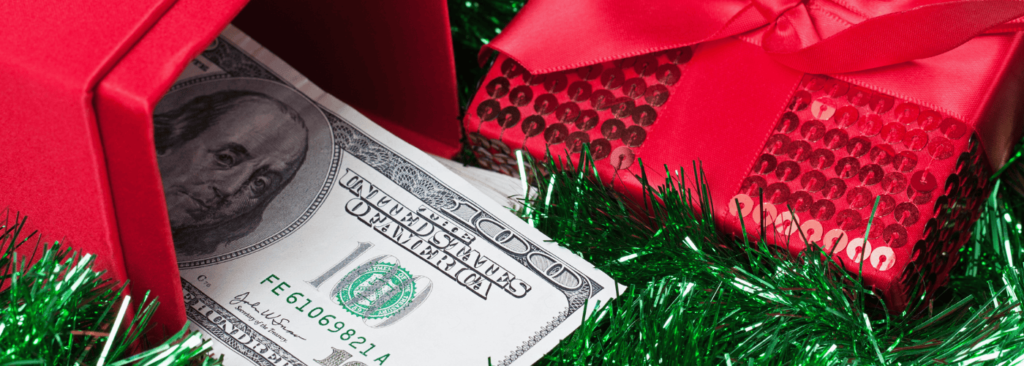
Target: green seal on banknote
{"x":376,"y":290}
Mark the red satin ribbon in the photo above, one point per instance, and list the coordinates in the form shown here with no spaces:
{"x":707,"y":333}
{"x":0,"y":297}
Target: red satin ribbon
{"x":813,"y":36}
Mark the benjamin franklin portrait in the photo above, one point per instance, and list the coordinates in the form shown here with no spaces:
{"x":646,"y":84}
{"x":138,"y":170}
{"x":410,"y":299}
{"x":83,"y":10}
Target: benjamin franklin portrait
{"x":223,"y":158}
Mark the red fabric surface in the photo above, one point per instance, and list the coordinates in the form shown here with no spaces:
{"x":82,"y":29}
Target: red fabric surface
{"x":821,"y":36}
{"x":52,"y":55}
{"x":124,"y":102}
{"x":726,"y":105}
{"x":392,"y":63}
{"x":91,"y":175}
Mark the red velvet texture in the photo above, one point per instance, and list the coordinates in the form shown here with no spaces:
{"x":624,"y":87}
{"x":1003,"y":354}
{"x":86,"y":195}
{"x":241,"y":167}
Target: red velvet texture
{"x":81,"y":79}
{"x":392,"y":63}
{"x":52,"y":56}
{"x":921,"y":134}
{"x":127,"y":96}
{"x":124,"y":104}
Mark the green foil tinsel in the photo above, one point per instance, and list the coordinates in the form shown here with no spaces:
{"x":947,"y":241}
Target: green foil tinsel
{"x":55,"y":310}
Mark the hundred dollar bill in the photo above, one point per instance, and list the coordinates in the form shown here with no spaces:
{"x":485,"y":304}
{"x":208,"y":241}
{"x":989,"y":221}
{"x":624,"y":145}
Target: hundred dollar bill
{"x":307,"y":235}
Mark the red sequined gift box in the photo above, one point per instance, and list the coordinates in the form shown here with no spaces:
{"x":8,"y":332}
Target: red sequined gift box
{"x":801,"y":147}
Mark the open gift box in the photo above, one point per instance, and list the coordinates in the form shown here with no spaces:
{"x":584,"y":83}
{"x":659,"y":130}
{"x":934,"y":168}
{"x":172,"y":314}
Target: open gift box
{"x":81,"y":80}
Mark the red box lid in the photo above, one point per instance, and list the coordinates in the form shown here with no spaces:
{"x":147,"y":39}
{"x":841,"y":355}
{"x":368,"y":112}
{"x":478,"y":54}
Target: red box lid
{"x":52,"y":56}
{"x":82,"y":79}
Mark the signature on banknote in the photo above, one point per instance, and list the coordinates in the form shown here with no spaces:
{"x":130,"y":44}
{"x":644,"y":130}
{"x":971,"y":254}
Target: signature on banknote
{"x":275,"y":319}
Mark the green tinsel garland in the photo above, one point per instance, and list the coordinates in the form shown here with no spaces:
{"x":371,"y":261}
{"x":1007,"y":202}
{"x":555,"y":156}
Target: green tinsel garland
{"x":699,"y":297}
{"x":55,"y":310}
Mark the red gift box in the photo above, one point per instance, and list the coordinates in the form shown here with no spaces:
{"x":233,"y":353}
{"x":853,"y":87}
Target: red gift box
{"x":801,"y":113}
{"x":81,"y":80}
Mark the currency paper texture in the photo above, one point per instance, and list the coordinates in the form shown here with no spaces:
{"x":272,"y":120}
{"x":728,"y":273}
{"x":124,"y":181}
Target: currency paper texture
{"x":307,"y":235}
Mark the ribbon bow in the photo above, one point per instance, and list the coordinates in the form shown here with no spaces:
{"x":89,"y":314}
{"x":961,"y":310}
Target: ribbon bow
{"x":813,"y":36}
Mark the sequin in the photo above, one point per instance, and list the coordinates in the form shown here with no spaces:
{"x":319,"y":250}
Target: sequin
{"x":821,"y":159}
{"x":915,"y":140}
{"x":679,"y":55}
{"x":634,"y":88}
{"x":847,"y":167}
{"x":787,"y":170}
{"x":612,"y":129}
{"x":835,"y":241}
{"x":568,"y":112}
{"x":588,"y":119}
{"x":777,"y":193}
{"x":622,"y":158}
{"x":589,"y":72}
{"x":555,"y":134}
{"x":823,"y":108}
{"x":883,"y":258}
{"x":668,"y":74}
{"x":880,"y":103}
{"x":906,"y":113}
{"x":834,"y":188}
{"x":953,"y":128}
{"x":623,"y":107}
{"x":800,"y":100}
{"x":882,"y":154}
{"x":579,"y":91}
{"x":555,"y":83}
{"x":656,"y":95}
{"x":488,"y":110}
{"x":545,"y":104}
{"x":533,"y":125}
{"x":753,"y":185}
{"x":498,"y":87}
{"x":520,"y":95}
{"x":600,"y":149}
{"x":800,"y":201}
{"x":644,"y":115}
{"x":836,"y":139}
{"x":788,"y":123}
{"x":923,"y":181}
{"x":835,"y":88}
{"x":645,"y":65}
{"x":798,"y":150}
{"x":508,"y":117}
{"x":576,"y":140}
{"x":929,"y":120}
{"x":871,"y":125}
{"x":823,"y":209}
{"x":612,"y":79}
{"x":895,"y":235}
{"x":602,"y":99}
{"x":765,"y":163}
{"x":858,"y":146}
{"x":846,"y":116}
{"x":848,"y":219}
{"x":813,"y":181}
{"x":894,"y":182}
{"x":893,"y":132}
{"x":634,"y":136}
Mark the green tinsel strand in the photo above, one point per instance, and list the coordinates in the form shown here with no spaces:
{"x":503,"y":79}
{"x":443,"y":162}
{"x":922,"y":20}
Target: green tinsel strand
{"x":55,"y":310}
{"x":697,"y":296}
